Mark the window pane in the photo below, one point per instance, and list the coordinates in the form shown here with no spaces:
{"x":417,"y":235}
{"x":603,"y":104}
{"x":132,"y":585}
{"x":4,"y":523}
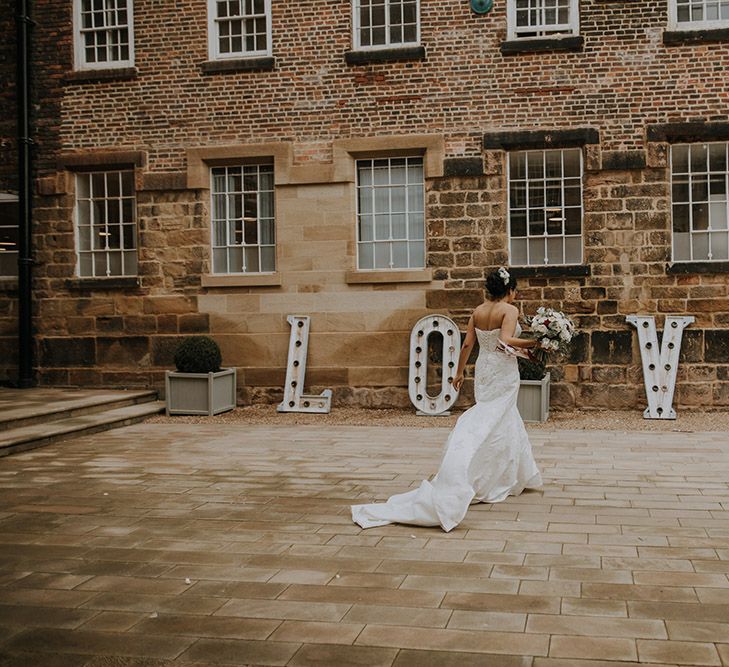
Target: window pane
{"x":573,"y":250}
{"x":720,"y":246}
{"x":382,"y":255}
{"x":417,"y":254}
{"x":682,"y":246}
{"x":366,"y":256}
{"x":400,"y":255}
{"x":700,"y":244}
{"x":416,"y":226}
{"x":519,"y":251}
{"x":536,"y":251}
{"x":366,"y":228}
{"x":679,"y":159}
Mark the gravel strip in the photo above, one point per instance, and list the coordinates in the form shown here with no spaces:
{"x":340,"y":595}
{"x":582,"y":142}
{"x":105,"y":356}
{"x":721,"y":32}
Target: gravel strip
{"x":689,"y":420}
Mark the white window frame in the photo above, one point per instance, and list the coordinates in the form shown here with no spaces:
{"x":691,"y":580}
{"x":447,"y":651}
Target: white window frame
{"x":675,"y":24}
{"x":122,"y":251}
{"x":569,"y":29}
{"x":5,"y":247}
{"x":243,"y":245}
{"x":356,"y":44}
{"x":213,"y":36}
{"x":545,"y":207}
{"x":711,"y":217}
{"x":80,"y":62}
{"x":406,"y":239}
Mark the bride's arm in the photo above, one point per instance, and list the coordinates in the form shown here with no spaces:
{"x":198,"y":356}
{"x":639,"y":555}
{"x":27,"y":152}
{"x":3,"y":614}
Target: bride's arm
{"x":465,"y":353}
{"x":508,"y":328}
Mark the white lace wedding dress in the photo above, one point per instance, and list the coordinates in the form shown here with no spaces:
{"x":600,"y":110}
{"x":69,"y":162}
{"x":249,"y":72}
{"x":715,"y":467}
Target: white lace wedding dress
{"x":487,"y":456}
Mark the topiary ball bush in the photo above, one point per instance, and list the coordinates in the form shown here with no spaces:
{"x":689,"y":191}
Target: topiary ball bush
{"x":198,"y":354}
{"x":531,"y":370}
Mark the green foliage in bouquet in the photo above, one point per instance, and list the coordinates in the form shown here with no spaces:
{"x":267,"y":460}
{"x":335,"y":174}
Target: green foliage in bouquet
{"x":198,"y":354}
{"x":531,"y":370}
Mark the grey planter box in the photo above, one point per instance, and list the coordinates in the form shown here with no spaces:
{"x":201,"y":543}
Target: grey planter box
{"x":200,"y":393}
{"x":533,"y":399}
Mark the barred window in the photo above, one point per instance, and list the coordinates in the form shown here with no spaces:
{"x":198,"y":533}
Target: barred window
{"x":9,"y":235}
{"x":106,"y":224}
{"x":104,"y":33}
{"x":390,"y":213}
{"x":542,"y":18}
{"x":699,"y":13}
{"x":243,"y":229}
{"x":386,"y":23}
{"x":239,"y":28}
{"x":700,"y":183}
{"x":545,"y":207}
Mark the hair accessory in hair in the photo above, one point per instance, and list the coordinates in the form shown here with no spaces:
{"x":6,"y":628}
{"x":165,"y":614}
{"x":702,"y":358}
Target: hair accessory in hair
{"x":504,"y":275}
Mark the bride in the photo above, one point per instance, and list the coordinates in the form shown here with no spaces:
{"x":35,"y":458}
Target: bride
{"x":487,"y":456}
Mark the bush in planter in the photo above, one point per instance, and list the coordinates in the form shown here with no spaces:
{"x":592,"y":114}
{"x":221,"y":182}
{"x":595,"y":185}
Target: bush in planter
{"x":533,"y":399}
{"x":199,"y":387}
{"x":198,"y":354}
{"x":531,"y":370}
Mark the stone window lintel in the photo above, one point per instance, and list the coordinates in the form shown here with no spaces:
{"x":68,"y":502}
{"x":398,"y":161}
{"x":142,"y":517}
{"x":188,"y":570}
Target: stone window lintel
{"x":369,"y":56}
{"x":701,"y":36}
{"x":231,"y":65}
{"x":541,"y":139}
{"x":542,"y":44}
{"x":546,"y":271}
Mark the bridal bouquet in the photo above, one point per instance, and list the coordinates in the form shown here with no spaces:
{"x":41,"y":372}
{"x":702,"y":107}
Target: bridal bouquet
{"x":554,"y":331}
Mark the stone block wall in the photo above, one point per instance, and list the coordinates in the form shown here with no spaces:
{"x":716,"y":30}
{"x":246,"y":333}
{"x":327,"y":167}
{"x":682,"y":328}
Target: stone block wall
{"x":312,"y":114}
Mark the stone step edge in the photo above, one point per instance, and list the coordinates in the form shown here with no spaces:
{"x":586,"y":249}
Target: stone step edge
{"x":29,"y":437}
{"x":59,"y":410}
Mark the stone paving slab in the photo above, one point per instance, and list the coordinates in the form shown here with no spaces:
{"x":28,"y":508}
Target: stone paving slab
{"x":221,"y":544}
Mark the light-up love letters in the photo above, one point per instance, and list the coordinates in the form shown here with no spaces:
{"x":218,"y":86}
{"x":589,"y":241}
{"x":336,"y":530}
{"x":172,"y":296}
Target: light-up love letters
{"x":418,"y":375}
{"x":660,"y":366}
{"x":295,"y":400}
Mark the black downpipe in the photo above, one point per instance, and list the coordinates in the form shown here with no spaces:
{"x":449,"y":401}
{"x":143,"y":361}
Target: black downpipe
{"x":25,"y":247}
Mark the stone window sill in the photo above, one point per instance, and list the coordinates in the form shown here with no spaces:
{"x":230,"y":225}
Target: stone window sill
{"x":531,"y":45}
{"x":566,"y":270}
{"x":117,"y":282}
{"x":263,"y":64}
{"x":94,"y":75}
{"x":241,"y":280}
{"x":404,"y":276}
{"x":707,"y":36}
{"x":697,"y":267}
{"x":363,"y":57}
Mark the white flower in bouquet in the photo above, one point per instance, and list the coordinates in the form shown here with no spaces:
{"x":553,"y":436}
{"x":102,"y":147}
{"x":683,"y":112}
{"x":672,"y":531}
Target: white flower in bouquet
{"x":554,"y":331}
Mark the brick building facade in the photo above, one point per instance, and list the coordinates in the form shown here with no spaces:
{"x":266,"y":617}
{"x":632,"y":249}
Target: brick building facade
{"x":200,"y":171}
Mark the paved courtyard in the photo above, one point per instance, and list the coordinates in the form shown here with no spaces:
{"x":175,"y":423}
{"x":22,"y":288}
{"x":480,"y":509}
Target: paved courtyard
{"x":185,"y":544}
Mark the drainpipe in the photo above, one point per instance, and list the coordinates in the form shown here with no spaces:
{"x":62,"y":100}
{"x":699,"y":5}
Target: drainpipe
{"x":25,"y":261}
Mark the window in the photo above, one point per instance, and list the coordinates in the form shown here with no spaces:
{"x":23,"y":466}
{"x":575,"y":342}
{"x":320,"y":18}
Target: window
{"x":106,"y":224}
{"x":545,"y":207}
{"x":694,"y":14}
{"x":699,"y":180}
{"x":104,"y":35}
{"x":8,"y":235}
{"x":243,"y":233}
{"x":542,"y":18}
{"x":385,"y":23}
{"x":239,"y":28}
{"x":390,"y":213}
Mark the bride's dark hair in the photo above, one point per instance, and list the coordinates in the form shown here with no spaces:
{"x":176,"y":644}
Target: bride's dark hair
{"x":496,"y":288}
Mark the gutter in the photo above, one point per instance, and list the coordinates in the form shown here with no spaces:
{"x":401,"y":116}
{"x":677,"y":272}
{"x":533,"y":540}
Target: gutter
{"x":25,"y":248}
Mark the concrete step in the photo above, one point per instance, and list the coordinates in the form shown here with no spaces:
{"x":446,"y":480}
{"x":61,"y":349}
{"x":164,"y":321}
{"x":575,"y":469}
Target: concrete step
{"x":40,"y":406}
{"x":38,"y":435}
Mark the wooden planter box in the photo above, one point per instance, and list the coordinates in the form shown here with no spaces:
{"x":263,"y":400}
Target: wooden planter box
{"x":200,"y":393}
{"x":533,"y":399}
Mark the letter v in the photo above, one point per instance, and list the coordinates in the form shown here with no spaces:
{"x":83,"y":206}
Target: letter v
{"x":660,"y":368}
